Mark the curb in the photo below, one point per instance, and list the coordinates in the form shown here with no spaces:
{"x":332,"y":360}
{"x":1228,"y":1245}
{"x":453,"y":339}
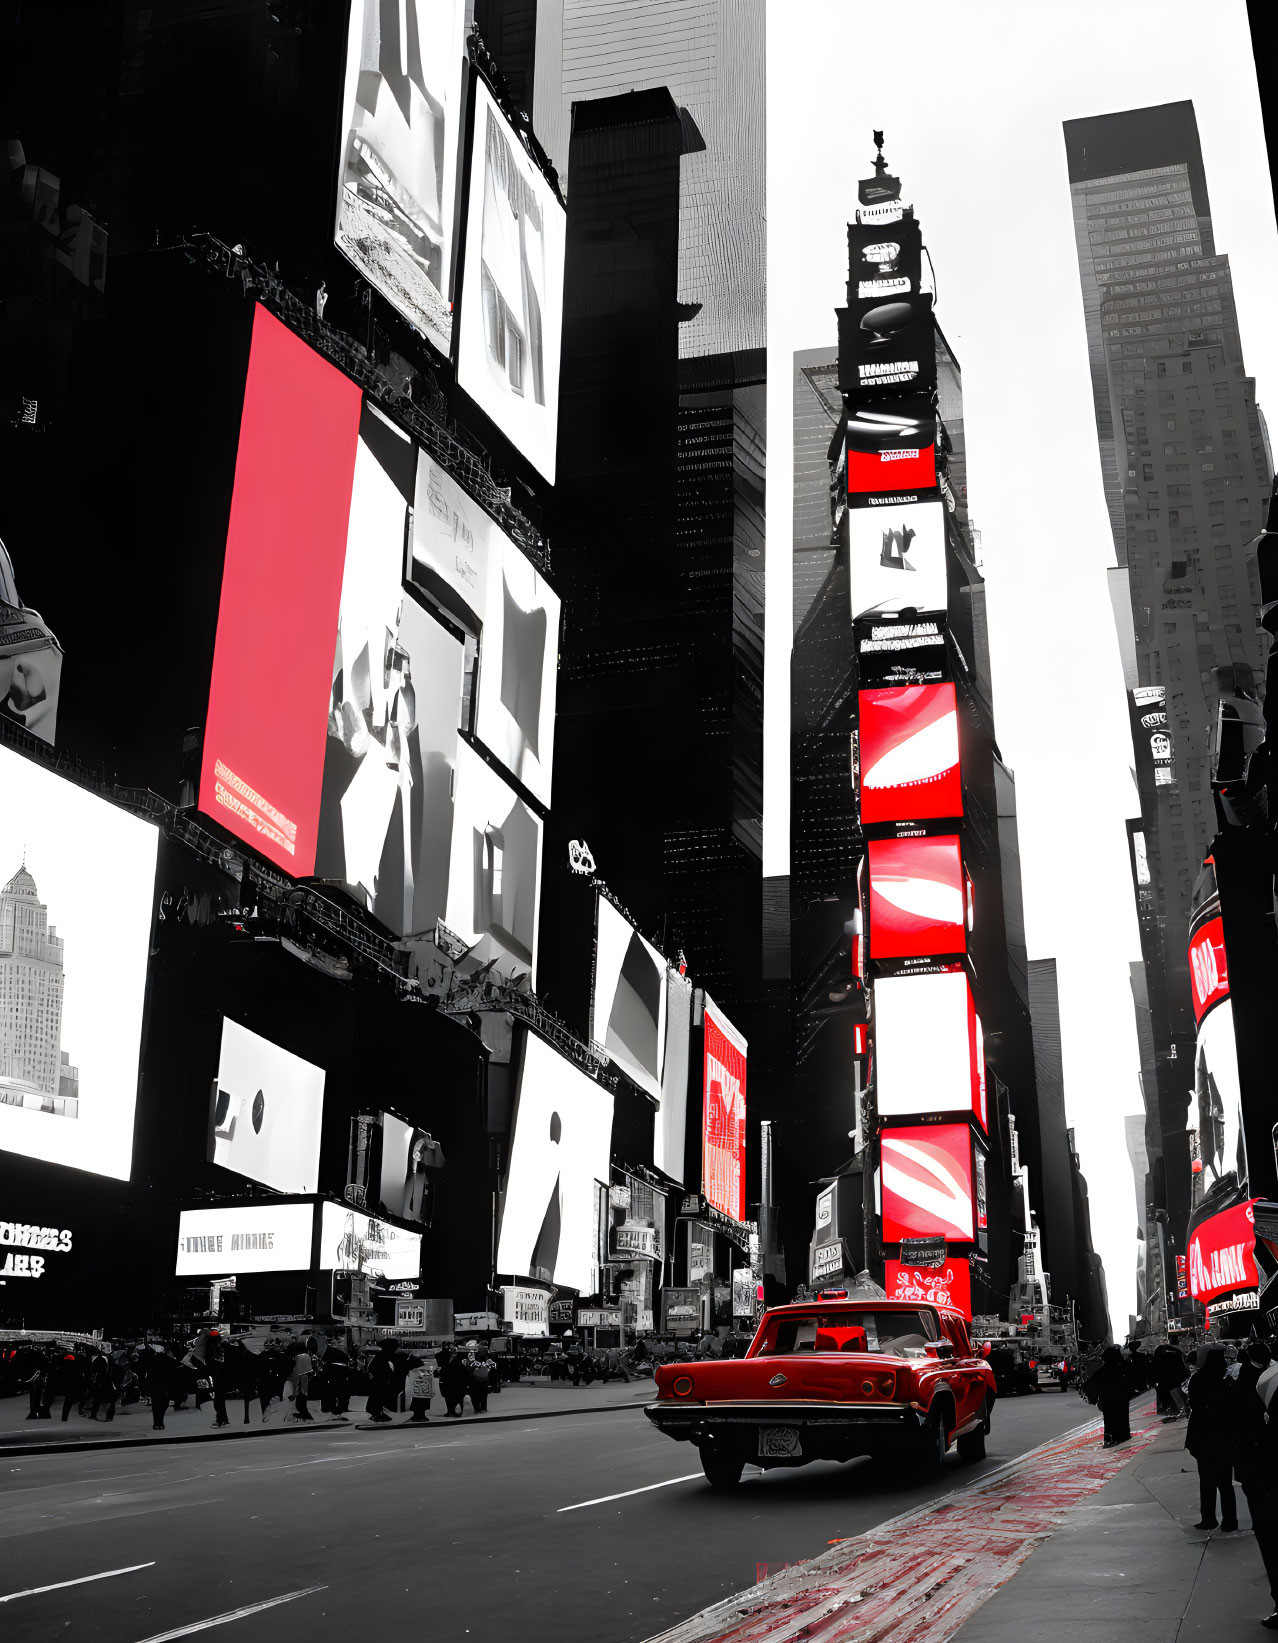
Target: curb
{"x":79,"y":1446}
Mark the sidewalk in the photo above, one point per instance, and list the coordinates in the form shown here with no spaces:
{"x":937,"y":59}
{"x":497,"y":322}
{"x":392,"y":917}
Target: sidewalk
{"x":524,"y":1400}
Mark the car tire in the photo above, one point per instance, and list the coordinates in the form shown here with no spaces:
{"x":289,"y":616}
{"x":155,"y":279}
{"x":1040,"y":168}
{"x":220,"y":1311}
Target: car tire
{"x":932,"y":1445}
{"x":971,"y":1446}
{"x":722,"y":1468}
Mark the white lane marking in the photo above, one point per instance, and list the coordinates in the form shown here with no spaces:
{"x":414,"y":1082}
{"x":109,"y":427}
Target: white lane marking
{"x":603,"y":1499}
{"x":232,"y":1614}
{"x":107,"y":1574}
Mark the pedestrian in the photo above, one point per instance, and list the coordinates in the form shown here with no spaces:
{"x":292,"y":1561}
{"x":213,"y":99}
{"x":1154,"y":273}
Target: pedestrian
{"x":269,"y":1378}
{"x":1210,"y":1440}
{"x":453,"y":1379}
{"x":36,"y":1383}
{"x":480,"y":1375}
{"x":1255,"y":1440}
{"x":420,"y":1388}
{"x":215,"y":1367}
{"x":383,"y":1379}
{"x":66,"y":1381}
{"x":1110,"y":1388}
{"x":162,"y":1373}
{"x":303,"y":1367}
{"x":337,"y":1379}
{"x":101,"y":1385}
{"x":576,"y":1359}
{"x":1169,"y":1376}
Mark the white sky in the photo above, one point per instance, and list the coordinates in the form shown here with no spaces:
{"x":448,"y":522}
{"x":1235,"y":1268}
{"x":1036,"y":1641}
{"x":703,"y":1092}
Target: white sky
{"x":972,"y":99}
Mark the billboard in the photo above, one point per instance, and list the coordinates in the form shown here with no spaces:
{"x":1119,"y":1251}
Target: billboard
{"x":397,"y":190}
{"x":449,"y":548}
{"x":887,"y":345}
{"x":893,"y":652}
{"x":559,"y":1155}
{"x":891,"y":450}
{"x":925,"y":1045}
{"x":263,"y":758}
{"x":77,"y":884}
{"x":909,"y":754}
{"x":267,"y":1110}
{"x":513,"y":289}
{"x":1222,"y":1253}
{"x":1208,"y":969}
{"x":917,"y":901}
{"x":884,"y":262}
{"x":30,"y":662}
{"x":670,"y":1123}
{"x":629,"y":1003}
{"x":949,"y":1284}
{"x":408,"y":1155}
{"x":1218,"y":1097}
{"x":244,"y":1238}
{"x":518,"y":667}
{"x":896,"y":558}
{"x":927,"y":1184}
{"x":352,"y":1242}
{"x":723,"y":1149}
{"x":494,"y":875}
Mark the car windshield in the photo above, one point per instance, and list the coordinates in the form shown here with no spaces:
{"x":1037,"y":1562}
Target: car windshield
{"x":846,"y":1332}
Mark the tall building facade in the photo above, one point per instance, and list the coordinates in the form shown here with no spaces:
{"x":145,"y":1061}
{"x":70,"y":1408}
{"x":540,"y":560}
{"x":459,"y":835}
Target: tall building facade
{"x":1187,"y":474}
{"x":31,"y":981}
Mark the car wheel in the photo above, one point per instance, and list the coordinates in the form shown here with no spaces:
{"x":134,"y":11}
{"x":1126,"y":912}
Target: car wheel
{"x":971,"y":1446}
{"x":722,"y":1469}
{"x":932,"y":1445}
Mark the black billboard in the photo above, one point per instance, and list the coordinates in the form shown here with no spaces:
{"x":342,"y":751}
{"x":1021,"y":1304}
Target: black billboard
{"x":887,"y":347}
{"x":884,"y":260}
{"x":901,"y":653}
{"x":891,"y":448}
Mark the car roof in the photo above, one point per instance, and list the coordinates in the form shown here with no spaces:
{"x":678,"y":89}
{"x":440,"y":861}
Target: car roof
{"x":861,"y":1304}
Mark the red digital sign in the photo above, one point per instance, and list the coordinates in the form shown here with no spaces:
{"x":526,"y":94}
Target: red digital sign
{"x":909,"y":754}
{"x":1222,"y":1254}
{"x":927,"y":1183}
{"x":723,"y":1161}
{"x":1208,"y":971}
{"x":917,"y":898}
{"x":895,"y":470}
{"x":263,"y":760}
{"x":947,"y":1285}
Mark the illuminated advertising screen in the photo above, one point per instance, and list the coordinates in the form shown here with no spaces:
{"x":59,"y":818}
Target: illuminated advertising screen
{"x":513,"y":289}
{"x":267,"y":1107}
{"x":909,"y":754}
{"x":77,"y":883}
{"x":896,"y":558}
{"x":395,"y":703}
{"x":263,"y":759}
{"x":1222,"y":1253}
{"x":244,"y":1238}
{"x":887,"y":345}
{"x":494,"y":876}
{"x":449,"y":550}
{"x":1218,"y":1096}
{"x":950,"y":1284}
{"x":891,"y":451}
{"x":925,"y":1045}
{"x":892,"y":653}
{"x":559,"y":1156}
{"x":408,"y":1155}
{"x":670,"y":1123}
{"x":397,"y":190}
{"x":353,"y":1242}
{"x":723,"y":1150}
{"x":1208,"y":969}
{"x":884,"y":263}
{"x":927,"y":1183}
{"x":30,"y":662}
{"x":917,"y":900}
{"x":628,"y":1008}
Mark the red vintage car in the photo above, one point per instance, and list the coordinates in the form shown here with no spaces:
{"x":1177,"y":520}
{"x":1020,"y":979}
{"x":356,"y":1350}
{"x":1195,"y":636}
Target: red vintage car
{"x":830,"y":1380}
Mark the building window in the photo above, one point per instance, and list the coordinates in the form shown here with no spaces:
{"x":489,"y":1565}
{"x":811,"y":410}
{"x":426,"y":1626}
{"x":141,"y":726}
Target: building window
{"x":1209,"y":467}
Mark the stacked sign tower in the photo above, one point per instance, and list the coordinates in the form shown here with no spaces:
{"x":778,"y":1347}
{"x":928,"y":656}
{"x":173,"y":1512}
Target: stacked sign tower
{"x":926,"y":1107}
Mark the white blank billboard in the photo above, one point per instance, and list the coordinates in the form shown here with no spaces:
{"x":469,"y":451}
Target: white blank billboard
{"x":896,"y":558}
{"x":244,"y":1238}
{"x":267,"y":1112}
{"x":559,"y":1153}
{"x":628,"y":1009}
{"x":922,"y":1044}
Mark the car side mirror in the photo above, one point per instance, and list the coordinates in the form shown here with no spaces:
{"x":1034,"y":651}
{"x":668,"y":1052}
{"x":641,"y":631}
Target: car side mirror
{"x":941,"y":1349}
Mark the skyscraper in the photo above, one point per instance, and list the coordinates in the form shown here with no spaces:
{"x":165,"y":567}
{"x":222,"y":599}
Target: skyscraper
{"x":30,"y":994}
{"x":1187,"y":470}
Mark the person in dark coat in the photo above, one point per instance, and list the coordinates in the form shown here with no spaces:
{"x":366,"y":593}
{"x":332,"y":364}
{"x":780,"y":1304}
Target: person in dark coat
{"x":1111,"y":1390}
{"x":480,"y":1378}
{"x":101,"y":1388}
{"x":1169,"y":1375}
{"x":453,"y":1379}
{"x":383,"y":1382}
{"x":337,"y":1381}
{"x":36,"y":1384}
{"x":163,"y":1374}
{"x":1256,"y":1461}
{"x":1210,"y":1440}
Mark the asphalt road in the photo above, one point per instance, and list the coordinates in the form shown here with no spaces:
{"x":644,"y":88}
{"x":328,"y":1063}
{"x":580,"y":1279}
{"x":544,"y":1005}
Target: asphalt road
{"x":441,"y":1534}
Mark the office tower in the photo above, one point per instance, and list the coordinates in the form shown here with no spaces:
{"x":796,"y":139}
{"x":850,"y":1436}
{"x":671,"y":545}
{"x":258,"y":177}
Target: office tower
{"x":31,"y":983}
{"x":1187,"y":470}
{"x":709,"y":55}
{"x":1060,"y":1253}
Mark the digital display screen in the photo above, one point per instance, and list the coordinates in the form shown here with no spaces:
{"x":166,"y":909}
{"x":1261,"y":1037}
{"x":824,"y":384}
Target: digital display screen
{"x":1222,"y":1253}
{"x":1208,"y":967}
{"x":1218,"y":1096}
{"x":244,"y":1238}
{"x":628,"y":1010}
{"x":263,"y":758}
{"x":723,"y":1154}
{"x":518,"y":667}
{"x":909,"y":754}
{"x":30,"y":662}
{"x":77,"y":887}
{"x":397,"y":191}
{"x":887,"y":343}
{"x":559,"y":1157}
{"x":670,"y":1124}
{"x":267,"y":1110}
{"x":917,"y":900}
{"x":950,"y":1284}
{"x":891,"y":449}
{"x":513,"y":289}
{"x":885,"y":262}
{"x":494,"y":878}
{"x":896,"y":558}
{"x":927,"y":1183}
{"x":353,"y":1242}
{"x":450,"y":548}
{"x":404,"y":1184}
{"x":925,"y":1045}
{"x":395,"y":704}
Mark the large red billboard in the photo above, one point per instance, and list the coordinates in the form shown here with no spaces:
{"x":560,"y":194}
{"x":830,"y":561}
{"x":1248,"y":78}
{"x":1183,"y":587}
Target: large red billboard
{"x":723,"y":1143}
{"x":263,"y":761}
{"x":950,"y":1284}
{"x":927,"y":1183}
{"x":1222,"y":1254}
{"x":909,"y":754}
{"x":917,"y":904}
{"x":1208,"y":971}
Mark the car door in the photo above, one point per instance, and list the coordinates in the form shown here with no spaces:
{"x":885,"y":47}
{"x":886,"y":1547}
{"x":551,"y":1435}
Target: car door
{"x":969,"y":1387}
